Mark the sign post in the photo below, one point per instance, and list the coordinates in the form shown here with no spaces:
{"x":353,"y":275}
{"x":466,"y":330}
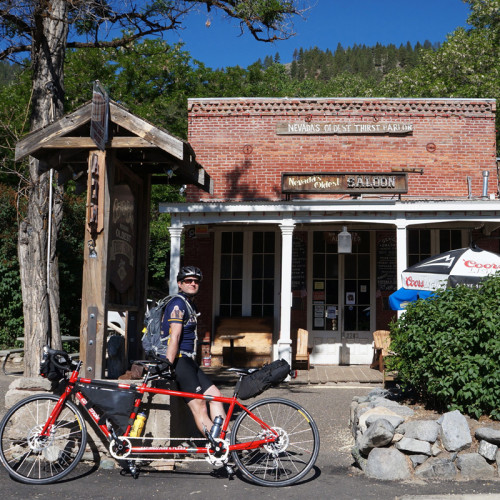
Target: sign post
{"x":99,"y":116}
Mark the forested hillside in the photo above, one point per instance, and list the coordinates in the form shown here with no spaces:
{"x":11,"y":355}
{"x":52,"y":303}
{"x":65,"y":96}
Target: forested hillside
{"x":364,"y":61}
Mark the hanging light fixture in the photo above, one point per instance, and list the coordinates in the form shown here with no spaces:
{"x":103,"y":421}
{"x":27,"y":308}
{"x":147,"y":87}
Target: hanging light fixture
{"x":344,"y":241}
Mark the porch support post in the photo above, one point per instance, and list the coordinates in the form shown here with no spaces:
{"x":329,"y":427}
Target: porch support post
{"x":285,"y":342}
{"x":401,"y":253}
{"x":175,"y":256}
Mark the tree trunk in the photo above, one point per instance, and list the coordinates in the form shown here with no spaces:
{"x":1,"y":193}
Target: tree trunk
{"x":39,"y":283}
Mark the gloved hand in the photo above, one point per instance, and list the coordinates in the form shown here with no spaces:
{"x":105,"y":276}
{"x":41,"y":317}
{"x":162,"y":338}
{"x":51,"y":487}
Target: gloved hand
{"x":165,"y":369}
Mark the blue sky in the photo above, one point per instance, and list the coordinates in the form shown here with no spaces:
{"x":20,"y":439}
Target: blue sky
{"x":327,"y":23}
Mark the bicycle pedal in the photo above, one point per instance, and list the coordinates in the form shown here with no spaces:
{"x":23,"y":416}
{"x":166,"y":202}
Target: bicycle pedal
{"x":230,"y":472}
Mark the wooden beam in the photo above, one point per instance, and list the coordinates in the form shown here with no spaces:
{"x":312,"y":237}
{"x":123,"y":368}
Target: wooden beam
{"x":149,"y":132}
{"x":88,"y":143}
{"x":37,"y":139}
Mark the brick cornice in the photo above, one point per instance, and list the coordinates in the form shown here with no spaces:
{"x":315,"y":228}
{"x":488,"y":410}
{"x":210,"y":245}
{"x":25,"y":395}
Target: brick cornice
{"x":331,"y":107}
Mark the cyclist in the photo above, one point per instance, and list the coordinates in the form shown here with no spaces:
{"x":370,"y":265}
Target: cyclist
{"x":181,"y":349}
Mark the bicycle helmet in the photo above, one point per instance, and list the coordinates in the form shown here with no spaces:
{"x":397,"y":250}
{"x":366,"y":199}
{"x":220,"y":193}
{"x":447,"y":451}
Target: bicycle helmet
{"x":187,"y":271}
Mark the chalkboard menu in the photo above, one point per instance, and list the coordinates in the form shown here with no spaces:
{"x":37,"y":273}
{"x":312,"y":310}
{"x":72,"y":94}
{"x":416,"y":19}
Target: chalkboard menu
{"x":299,"y":260}
{"x":386,"y":264}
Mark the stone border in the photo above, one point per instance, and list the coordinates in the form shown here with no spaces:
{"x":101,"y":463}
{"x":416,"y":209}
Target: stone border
{"x":392,"y":444}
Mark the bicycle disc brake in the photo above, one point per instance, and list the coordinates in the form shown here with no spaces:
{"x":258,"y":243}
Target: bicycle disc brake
{"x":281,"y":443}
{"x":218,"y":456}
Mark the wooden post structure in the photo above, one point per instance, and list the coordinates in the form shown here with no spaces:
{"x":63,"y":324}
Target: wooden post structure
{"x":119,"y":169}
{"x":93,"y":325}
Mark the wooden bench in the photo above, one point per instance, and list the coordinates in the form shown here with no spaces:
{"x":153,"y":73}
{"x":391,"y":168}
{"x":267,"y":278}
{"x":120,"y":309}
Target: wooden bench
{"x":303,"y":351}
{"x":251,"y":340}
{"x":7,"y":353}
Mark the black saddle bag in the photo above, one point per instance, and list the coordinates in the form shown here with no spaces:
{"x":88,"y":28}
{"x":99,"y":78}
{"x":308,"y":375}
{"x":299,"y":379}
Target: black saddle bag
{"x":269,"y":375}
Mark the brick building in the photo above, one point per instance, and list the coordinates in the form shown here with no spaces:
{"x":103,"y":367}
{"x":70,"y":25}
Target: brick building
{"x":406,"y":178}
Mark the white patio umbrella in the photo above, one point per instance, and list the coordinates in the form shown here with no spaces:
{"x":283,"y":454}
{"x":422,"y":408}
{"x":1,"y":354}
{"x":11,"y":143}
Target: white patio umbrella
{"x":466,"y":266}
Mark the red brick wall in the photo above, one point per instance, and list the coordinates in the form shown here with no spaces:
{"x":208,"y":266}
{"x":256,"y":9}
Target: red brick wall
{"x":199,"y":252}
{"x":235,"y":140}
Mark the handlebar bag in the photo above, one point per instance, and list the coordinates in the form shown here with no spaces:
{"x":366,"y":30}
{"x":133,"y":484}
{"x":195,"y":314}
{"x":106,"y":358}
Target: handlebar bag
{"x":269,"y":375}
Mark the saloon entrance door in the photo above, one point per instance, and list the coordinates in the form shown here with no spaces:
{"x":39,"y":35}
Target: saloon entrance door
{"x":342,"y":300}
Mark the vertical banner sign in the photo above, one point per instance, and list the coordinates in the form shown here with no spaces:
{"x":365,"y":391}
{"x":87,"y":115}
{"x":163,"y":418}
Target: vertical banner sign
{"x":123,"y":238}
{"x":100,"y":116}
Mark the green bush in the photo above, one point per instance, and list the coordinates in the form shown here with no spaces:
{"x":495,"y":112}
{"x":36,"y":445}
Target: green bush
{"x":448,"y":349}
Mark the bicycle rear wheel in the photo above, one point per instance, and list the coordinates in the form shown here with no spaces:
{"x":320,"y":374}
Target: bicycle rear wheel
{"x":285,"y":461}
{"x":35,"y":459}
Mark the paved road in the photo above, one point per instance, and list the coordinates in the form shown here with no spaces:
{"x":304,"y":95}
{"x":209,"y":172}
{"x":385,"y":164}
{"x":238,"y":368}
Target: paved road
{"x":333,"y":477}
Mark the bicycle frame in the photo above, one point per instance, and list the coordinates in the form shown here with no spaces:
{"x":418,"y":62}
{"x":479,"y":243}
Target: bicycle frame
{"x":142,"y":389}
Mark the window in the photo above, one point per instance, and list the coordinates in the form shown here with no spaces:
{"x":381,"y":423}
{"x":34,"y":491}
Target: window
{"x":247,"y":258}
{"x":263,"y":274}
{"x":357,"y":284}
{"x":231,"y":274}
{"x":449,"y":239}
{"x":419,"y":245}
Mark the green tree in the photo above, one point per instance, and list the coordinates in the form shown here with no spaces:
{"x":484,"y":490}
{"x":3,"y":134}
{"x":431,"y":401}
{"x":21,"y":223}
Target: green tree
{"x":45,"y":30}
{"x":466,"y":65}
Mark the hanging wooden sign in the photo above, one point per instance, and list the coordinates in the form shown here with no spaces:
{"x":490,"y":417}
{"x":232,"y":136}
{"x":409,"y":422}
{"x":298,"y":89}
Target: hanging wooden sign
{"x":341,"y":182}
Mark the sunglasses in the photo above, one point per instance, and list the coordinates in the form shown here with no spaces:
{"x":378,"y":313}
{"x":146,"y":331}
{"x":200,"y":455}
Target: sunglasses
{"x":190,"y":281}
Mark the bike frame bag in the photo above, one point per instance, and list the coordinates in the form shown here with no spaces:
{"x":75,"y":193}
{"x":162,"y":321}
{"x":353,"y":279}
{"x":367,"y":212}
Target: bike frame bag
{"x":111,"y":403}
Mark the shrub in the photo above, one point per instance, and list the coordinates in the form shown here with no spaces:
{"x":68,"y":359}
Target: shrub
{"x":448,"y":349}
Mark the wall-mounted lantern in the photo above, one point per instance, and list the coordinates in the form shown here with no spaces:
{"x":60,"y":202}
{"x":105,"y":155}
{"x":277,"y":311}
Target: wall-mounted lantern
{"x":345,"y":241}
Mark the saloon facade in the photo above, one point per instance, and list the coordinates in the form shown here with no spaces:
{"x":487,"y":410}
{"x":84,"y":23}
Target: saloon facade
{"x":294,"y":179}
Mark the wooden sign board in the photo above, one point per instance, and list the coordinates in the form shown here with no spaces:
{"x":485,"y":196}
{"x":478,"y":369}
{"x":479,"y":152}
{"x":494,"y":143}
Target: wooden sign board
{"x":99,"y":116}
{"x":343,"y":128}
{"x":342,"y":183}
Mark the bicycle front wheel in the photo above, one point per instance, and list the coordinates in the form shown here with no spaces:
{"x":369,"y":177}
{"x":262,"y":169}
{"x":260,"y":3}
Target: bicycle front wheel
{"x":290,"y":457}
{"x":35,"y":459}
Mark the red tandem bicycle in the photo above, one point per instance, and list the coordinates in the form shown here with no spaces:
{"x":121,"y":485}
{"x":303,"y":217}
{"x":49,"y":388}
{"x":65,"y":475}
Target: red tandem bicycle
{"x":272,"y":442}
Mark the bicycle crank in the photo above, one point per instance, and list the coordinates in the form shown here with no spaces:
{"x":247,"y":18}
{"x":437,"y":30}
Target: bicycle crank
{"x":120,"y":448}
{"x":218,"y":455}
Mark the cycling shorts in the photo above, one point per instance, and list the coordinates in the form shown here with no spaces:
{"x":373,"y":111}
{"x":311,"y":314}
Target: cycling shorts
{"x":190,"y":377}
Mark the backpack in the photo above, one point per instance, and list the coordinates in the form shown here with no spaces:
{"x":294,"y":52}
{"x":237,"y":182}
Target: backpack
{"x":152,"y":342}
{"x":258,"y":381}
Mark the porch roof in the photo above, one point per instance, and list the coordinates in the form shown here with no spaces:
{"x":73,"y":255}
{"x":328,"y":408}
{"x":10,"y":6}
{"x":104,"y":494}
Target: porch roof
{"x":383,"y":211}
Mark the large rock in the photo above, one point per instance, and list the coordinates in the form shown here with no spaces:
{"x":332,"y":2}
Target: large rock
{"x":488,"y":434}
{"x":376,"y":413}
{"x":455,"y":434}
{"x":23,"y":387}
{"x":387,"y":464}
{"x":417,"y":460}
{"x":424,"y":430}
{"x":437,"y":468}
{"x":488,"y":450}
{"x":394,"y":406}
{"x":416,"y":446}
{"x":378,"y":434}
{"x":474,"y":466}
{"x":31,"y":384}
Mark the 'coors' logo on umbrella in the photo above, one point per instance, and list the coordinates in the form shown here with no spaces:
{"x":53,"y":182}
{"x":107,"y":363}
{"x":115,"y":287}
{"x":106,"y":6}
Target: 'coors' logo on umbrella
{"x":466,"y":266}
